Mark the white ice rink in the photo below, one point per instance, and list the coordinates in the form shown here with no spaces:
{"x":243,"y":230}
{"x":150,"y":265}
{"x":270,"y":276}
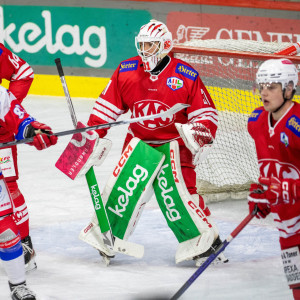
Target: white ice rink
{"x":69,"y":269}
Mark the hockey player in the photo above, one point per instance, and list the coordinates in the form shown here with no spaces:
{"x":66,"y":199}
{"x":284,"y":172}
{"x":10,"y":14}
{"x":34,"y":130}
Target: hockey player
{"x":15,"y":120}
{"x":147,"y":84}
{"x":275,"y":128}
{"x":20,"y":76}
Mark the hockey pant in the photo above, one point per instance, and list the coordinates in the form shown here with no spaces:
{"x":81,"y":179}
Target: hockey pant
{"x":9,"y":166}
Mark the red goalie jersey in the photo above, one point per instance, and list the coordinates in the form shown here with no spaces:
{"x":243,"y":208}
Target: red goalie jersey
{"x":131,"y":88}
{"x":278,"y":152}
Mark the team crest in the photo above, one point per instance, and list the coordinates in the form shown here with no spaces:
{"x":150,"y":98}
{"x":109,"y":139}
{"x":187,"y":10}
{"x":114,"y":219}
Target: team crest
{"x":150,"y":107}
{"x":174,"y":83}
{"x":284,"y":139}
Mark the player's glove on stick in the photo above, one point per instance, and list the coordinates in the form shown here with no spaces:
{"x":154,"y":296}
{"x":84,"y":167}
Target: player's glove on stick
{"x":281,"y":191}
{"x":257,"y":196}
{"x":40,"y":133}
{"x":197,"y":138}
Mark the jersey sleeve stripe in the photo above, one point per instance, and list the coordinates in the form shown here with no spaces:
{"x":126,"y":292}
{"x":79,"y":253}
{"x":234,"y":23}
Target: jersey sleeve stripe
{"x":25,"y":71}
{"x":201,"y":111}
{"x":287,"y":228}
{"x":103,"y":116}
{"x":109,"y":106}
{"x":208,"y":114}
{"x":206,"y":118}
{"x":102,"y":109}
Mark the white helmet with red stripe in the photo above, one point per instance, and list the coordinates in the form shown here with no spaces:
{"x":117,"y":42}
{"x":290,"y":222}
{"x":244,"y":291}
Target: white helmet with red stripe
{"x":153,"y":43}
{"x":279,"y":71}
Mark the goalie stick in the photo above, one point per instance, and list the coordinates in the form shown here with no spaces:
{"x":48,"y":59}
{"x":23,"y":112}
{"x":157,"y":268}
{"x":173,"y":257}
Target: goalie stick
{"x":90,"y":175}
{"x":216,"y":252}
{"x":174,"y":109}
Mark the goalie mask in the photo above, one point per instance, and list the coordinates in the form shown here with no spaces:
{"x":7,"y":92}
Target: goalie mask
{"x":153,"y":43}
{"x":277,"y":71}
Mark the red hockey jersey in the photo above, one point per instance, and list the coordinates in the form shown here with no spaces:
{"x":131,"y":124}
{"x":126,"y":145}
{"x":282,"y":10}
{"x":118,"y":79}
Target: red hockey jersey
{"x":131,"y":88}
{"x":17,"y":71}
{"x":278,"y":152}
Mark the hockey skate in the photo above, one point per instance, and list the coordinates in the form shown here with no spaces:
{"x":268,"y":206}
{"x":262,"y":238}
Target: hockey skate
{"x":21,"y":292}
{"x":105,"y":258}
{"x":221,"y":258}
{"x":29,"y":254}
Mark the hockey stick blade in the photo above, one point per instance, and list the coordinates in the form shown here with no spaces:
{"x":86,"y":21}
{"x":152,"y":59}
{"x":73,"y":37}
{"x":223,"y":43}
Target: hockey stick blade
{"x":215,"y":254}
{"x":174,"y":109}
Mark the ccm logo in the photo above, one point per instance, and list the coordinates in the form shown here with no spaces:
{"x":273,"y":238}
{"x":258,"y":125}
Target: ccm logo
{"x":122,"y":160}
{"x":173,"y":165}
{"x":88,"y":228}
{"x":199,"y":213}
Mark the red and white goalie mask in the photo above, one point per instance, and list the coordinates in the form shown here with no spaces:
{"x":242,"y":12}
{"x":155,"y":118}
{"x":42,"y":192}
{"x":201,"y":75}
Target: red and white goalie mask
{"x":153,"y":43}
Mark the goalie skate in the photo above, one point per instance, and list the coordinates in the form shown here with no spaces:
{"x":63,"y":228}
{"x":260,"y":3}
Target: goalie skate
{"x":105,"y":258}
{"x":221,"y":258}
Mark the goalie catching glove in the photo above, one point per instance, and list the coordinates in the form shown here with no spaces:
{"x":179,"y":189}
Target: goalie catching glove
{"x":197,"y":138}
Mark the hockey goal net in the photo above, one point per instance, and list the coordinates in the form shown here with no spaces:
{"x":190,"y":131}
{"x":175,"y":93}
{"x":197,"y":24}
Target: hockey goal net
{"x":228,"y":69}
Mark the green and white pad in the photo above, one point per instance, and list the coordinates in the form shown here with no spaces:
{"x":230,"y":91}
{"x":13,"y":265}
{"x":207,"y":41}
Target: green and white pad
{"x":188,"y":222}
{"x":127,"y":191}
{"x":129,"y":187}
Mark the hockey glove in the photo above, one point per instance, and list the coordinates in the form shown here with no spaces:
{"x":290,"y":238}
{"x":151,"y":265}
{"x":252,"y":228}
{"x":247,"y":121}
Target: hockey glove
{"x":40,"y":133}
{"x":197,"y":139}
{"x":281,"y":191}
{"x":257,"y":197}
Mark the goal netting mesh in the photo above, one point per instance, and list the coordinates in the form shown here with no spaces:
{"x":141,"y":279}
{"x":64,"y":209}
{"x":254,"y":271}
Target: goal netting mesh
{"x":228,"y":69}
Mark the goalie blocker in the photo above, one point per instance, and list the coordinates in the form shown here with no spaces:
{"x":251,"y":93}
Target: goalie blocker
{"x":129,"y":189}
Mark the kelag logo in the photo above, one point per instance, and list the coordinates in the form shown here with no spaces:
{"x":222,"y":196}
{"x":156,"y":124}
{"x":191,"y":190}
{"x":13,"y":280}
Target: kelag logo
{"x":80,"y":36}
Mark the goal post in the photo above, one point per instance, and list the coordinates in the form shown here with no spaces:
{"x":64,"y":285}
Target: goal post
{"x":228,"y":69}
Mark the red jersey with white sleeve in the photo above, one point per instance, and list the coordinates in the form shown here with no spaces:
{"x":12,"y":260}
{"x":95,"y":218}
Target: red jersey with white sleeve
{"x":131,"y":88}
{"x":16,"y":71}
{"x":278,"y":153}
{"x":12,"y":115}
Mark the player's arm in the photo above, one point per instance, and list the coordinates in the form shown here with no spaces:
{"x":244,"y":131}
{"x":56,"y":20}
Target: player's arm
{"x":17,"y":71}
{"x":199,"y":132}
{"x":108,"y":107}
{"x":15,"y":118}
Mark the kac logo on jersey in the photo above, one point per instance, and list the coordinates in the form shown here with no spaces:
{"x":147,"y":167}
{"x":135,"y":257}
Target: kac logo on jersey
{"x":151,"y":107}
{"x":186,"y":71}
{"x":174,"y":83}
{"x":129,"y":65}
{"x":293,"y":124}
{"x":279,"y":169}
{"x":284,"y":139}
{"x":255,"y":115}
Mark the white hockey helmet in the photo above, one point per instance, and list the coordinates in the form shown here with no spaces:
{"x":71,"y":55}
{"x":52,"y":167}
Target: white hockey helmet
{"x":278,"y":71}
{"x":160,"y":38}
